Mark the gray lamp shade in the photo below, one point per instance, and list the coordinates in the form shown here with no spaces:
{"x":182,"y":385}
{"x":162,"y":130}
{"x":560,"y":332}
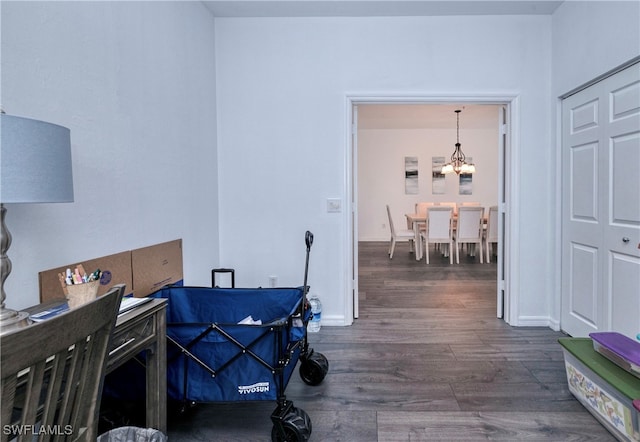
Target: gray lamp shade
{"x":35,"y":161}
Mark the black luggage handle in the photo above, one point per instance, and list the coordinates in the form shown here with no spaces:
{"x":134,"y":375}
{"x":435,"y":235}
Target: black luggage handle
{"x":223,"y":270}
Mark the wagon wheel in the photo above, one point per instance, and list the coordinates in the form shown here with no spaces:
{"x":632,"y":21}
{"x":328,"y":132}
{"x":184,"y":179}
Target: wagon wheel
{"x":314,"y":368}
{"x":303,"y":414}
{"x":296,"y":426}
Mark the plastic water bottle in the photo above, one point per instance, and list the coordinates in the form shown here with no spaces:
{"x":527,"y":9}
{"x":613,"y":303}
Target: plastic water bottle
{"x":316,"y":309}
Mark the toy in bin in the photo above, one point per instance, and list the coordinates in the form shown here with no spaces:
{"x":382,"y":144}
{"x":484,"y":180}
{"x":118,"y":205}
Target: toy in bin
{"x":242,"y":344}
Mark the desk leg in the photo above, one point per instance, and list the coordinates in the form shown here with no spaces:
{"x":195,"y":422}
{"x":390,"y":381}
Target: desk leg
{"x":157,"y":378}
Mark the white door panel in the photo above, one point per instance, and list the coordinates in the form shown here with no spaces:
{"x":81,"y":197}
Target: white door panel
{"x":622,"y":232}
{"x":601,"y":207}
{"x":625,"y":303}
{"x":583,"y":290}
{"x":582,"y":241}
{"x":584,"y":183}
{"x":625,"y":100}
{"x":625,"y":181}
{"x":584,"y":116}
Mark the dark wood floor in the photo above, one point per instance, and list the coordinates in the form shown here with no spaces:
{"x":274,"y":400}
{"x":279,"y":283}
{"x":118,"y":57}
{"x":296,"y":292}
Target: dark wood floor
{"x":427,"y":360}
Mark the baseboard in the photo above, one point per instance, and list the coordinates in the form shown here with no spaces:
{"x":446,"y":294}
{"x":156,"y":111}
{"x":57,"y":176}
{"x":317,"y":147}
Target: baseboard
{"x":536,"y":321}
{"x":335,"y":321}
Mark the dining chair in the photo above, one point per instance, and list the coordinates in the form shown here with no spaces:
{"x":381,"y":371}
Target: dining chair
{"x":491,"y":234}
{"x":52,"y":372}
{"x":469,"y":228}
{"x":451,"y":204}
{"x":421,"y":209}
{"x":454,"y":206}
{"x":399,"y":235}
{"x":439,"y":229}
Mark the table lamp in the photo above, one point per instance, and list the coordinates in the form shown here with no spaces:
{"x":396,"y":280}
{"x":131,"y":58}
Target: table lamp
{"x":35,"y":167}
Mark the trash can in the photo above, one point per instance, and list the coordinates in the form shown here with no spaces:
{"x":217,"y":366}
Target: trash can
{"x":133,"y":434}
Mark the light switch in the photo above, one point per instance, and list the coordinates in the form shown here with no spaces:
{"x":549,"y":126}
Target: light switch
{"x":334,"y":205}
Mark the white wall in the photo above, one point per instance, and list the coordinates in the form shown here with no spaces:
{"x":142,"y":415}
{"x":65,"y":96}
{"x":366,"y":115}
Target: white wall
{"x":282,"y":138}
{"x":134,"y":81}
{"x":381,"y":155}
{"x":590,"y":38}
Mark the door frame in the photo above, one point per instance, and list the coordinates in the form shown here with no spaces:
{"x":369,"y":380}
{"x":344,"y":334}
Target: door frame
{"x":508,"y":205}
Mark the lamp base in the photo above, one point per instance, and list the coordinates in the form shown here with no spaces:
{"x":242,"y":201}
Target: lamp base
{"x":11,"y":320}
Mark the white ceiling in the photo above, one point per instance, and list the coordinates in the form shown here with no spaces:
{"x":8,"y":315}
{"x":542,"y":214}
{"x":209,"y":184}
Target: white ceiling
{"x":376,"y":8}
{"x":426,"y":116}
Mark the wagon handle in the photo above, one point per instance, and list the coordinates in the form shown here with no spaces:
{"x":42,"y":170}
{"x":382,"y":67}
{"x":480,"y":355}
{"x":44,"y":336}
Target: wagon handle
{"x":308,"y":239}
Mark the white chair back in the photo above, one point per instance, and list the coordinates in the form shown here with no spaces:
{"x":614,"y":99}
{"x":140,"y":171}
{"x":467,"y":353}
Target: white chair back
{"x":469,"y":228}
{"x":470,"y":220}
{"x":439,"y":223}
{"x":439,"y":229}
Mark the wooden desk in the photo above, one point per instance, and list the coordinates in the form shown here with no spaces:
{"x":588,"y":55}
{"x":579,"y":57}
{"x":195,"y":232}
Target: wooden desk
{"x":142,"y":329}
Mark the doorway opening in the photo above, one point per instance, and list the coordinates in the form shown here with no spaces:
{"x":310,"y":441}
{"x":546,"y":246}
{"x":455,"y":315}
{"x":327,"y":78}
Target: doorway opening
{"x":506,"y":108}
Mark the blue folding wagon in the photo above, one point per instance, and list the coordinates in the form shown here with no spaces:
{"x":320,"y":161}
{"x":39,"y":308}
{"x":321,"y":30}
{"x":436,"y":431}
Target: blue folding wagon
{"x":237,"y":344}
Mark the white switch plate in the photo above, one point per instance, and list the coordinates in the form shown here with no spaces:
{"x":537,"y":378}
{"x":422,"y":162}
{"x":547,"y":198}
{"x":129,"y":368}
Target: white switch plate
{"x":334,"y":205}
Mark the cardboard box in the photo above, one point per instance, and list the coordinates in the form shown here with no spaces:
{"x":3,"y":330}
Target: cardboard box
{"x":116,"y":269}
{"x":156,"y":266}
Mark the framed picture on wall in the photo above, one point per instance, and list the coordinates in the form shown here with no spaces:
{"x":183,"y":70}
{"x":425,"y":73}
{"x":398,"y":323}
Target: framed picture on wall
{"x":437,"y":177}
{"x":411,"y":175}
{"x":466,"y":182}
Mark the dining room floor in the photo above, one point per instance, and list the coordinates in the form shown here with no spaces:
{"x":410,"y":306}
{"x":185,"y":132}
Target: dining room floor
{"x":426,"y":360}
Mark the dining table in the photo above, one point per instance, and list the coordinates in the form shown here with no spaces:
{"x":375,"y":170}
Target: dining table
{"x":418,"y":219}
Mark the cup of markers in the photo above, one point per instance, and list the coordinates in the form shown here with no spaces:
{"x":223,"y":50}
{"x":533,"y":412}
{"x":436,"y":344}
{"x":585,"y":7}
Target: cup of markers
{"x":80,"y":286}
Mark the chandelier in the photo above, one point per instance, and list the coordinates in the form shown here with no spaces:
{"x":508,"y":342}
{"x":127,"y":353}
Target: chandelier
{"x":458,"y":162}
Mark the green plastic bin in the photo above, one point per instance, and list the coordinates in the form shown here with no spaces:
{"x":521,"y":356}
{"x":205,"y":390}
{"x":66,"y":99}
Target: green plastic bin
{"x":605,"y":389}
